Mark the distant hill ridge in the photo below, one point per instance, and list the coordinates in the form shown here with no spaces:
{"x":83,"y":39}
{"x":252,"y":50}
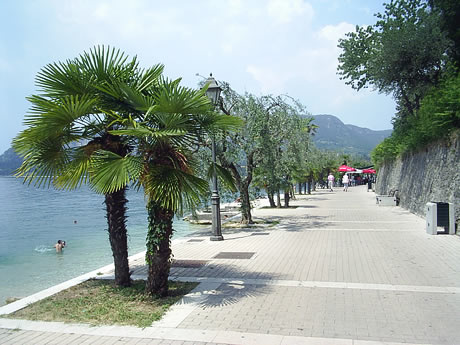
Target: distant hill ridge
{"x":9,"y":161}
{"x":334,"y":135}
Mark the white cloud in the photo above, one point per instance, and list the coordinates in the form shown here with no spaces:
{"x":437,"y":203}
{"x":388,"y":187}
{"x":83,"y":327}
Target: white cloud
{"x":235,"y":7}
{"x":107,"y":20}
{"x":334,"y":32}
{"x":270,"y":80}
{"x":102,"y":11}
{"x":283,"y":11}
{"x":309,"y":71}
{"x":262,"y":46}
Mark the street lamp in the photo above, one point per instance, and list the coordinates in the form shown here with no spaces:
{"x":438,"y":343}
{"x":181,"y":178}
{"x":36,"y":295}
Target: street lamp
{"x":213,"y":93}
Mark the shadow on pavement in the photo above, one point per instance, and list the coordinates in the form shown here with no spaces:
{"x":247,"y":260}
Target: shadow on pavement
{"x":235,"y":286}
{"x":231,"y":293}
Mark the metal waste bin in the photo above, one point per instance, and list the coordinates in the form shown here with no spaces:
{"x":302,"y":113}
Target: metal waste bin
{"x":440,"y":214}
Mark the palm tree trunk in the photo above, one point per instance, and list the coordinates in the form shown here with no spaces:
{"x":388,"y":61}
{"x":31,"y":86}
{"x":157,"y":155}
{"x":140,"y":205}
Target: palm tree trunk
{"x":116,"y":219}
{"x":158,"y":254}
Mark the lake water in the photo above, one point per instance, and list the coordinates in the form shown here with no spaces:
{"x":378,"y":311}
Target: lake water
{"x":32,"y":220}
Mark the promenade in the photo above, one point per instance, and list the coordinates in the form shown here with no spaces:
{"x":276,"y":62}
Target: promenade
{"x":334,"y":268}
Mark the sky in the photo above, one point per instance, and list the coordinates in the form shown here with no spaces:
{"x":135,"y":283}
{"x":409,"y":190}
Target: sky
{"x":258,"y":46}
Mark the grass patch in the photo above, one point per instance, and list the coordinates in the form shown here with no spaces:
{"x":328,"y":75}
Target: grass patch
{"x":100,"y":302}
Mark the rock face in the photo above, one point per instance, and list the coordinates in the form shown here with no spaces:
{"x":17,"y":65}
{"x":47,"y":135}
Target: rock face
{"x":432,"y":174}
{"x":334,"y":135}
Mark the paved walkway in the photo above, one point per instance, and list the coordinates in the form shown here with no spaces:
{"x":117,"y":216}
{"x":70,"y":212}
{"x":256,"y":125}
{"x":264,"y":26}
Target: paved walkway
{"x":334,"y":269}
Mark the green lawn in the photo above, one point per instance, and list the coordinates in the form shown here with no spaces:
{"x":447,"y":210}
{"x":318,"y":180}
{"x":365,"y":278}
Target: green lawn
{"x":98,"y":302}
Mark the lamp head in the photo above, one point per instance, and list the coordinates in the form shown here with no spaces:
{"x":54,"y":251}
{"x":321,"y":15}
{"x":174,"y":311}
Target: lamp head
{"x":214,"y":90}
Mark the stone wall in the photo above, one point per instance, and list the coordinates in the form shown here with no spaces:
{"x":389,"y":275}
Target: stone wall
{"x":432,"y":174}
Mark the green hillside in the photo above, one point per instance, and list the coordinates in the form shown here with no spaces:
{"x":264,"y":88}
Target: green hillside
{"x":334,"y":135}
{"x":9,"y":161}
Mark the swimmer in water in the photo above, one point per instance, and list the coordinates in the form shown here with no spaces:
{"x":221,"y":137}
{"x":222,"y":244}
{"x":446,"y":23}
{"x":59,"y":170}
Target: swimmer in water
{"x":59,"y":245}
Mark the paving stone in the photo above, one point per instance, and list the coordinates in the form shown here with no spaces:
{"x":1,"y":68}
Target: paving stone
{"x":337,"y":266}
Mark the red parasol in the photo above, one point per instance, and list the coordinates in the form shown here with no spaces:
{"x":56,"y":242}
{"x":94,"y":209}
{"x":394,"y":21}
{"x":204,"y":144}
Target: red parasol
{"x":369,"y":171}
{"x":346,"y":168}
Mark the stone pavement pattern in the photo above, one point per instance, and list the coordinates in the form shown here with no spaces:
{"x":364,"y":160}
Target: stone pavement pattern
{"x":8,"y":336}
{"x":336,"y":269}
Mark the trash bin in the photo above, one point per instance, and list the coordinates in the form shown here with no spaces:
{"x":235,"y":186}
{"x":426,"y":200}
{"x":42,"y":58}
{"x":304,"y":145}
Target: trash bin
{"x":440,"y":214}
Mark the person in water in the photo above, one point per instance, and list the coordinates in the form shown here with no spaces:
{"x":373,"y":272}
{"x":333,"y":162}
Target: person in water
{"x":59,"y":246}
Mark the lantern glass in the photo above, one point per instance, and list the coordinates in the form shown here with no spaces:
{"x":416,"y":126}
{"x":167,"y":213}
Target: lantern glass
{"x":213,"y":91}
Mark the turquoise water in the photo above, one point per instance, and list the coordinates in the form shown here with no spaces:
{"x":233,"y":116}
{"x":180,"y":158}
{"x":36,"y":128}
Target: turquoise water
{"x":32,"y":220}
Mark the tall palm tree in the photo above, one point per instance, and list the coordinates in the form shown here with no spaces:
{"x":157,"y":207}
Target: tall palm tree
{"x":68,"y":132}
{"x":172,"y":121}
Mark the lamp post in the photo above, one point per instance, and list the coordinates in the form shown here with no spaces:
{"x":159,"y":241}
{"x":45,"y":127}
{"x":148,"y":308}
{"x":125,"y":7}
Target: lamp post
{"x":213,"y":93}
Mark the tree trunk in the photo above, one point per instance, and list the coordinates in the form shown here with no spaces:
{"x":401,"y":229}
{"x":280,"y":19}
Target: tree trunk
{"x":246,"y":217}
{"x":309,"y":186}
{"x":305,"y":187}
{"x":158,"y":255}
{"x":116,"y":219}
{"x":314,"y":185}
{"x":300,"y":187}
{"x":271,"y":199}
{"x":242,"y":184}
{"x":278,"y":199}
{"x":286,"y":199}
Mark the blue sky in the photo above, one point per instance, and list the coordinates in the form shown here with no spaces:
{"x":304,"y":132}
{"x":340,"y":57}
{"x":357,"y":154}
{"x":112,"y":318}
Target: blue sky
{"x":258,"y":46}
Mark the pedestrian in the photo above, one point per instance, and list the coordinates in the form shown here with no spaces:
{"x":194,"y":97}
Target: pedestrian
{"x":330,"y":180}
{"x":345,"y":181}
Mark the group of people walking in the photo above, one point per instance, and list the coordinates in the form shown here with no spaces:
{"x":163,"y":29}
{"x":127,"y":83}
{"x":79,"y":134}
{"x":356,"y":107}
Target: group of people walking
{"x":345,"y":182}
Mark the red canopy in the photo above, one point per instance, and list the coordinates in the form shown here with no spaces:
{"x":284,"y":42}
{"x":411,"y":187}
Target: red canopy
{"x":346,"y":168}
{"x":369,"y":171}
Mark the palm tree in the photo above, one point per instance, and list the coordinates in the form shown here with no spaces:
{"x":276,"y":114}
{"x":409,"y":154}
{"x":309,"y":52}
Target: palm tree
{"x":69,"y":124}
{"x":174,"y":120}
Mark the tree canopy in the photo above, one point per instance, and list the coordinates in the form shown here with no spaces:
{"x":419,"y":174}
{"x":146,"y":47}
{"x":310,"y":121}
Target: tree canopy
{"x":411,"y":52}
{"x":403,"y":53}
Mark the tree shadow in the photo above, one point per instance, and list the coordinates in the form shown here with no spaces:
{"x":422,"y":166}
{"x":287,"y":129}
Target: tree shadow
{"x":236,"y":283}
{"x":231,"y":293}
{"x":303,"y":224}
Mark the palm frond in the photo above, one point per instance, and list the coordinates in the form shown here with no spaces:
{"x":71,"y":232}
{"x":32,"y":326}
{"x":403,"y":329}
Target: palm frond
{"x":62,"y":79}
{"x":174,"y":189}
{"x":172,"y":98}
{"x":42,"y":160}
{"x":224,"y":176}
{"x":142,"y":132}
{"x":105,"y":63}
{"x":52,"y":116}
{"x":219,"y":122}
{"x":150,"y":78}
{"x":75,"y":172}
{"x":111,"y":172}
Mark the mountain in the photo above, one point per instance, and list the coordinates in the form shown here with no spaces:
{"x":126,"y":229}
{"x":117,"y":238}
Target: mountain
{"x":334,"y":135}
{"x":9,"y":161}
